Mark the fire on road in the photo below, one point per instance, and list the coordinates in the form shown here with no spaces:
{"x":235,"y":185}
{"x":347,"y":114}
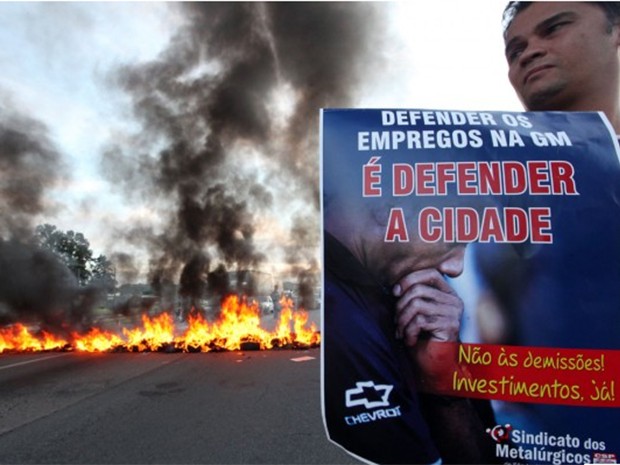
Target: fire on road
{"x":238,"y":325}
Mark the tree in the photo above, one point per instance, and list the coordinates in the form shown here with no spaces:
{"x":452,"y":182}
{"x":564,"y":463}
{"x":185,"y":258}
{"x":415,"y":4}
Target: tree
{"x":103,"y":273}
{"x":73,"y":249}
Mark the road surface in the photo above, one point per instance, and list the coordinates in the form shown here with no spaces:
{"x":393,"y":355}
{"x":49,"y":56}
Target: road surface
{"x":131,"y":408}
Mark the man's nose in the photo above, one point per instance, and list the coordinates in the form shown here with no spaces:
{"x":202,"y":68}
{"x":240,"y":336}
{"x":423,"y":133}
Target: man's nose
{"x":454,"y":262}
{"x":535,"y":49}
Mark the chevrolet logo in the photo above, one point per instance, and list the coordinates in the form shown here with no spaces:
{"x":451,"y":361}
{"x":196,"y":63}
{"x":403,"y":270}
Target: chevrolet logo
{"x":368,"y":394}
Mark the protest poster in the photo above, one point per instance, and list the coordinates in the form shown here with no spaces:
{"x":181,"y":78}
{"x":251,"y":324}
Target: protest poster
{"x":517,"y":217}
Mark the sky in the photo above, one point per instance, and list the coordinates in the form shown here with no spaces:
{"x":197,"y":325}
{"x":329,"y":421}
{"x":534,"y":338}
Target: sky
{"x":60,"y":65}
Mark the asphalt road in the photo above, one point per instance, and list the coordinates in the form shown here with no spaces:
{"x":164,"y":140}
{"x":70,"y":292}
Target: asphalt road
{"x":130,"y":408}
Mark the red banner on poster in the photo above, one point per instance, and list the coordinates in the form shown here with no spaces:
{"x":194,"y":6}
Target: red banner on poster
{"x":577,"y":377}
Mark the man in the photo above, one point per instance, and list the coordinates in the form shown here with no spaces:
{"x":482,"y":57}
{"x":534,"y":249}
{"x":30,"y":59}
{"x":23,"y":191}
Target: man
{"x":275,"y":297}
{"x":563,"y":56}
{"x":388,"y":307}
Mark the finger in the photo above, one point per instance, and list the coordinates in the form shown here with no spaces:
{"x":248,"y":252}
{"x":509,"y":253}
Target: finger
{"x":425,"y":292}
{"x":415,"y":313}
{"x":439,"y":329}
{"x":430,"y":277}
{"x":430,"y":316}
{"x":407,"y":315}
{"x":411,"y":332}
{"x":424,"y":324}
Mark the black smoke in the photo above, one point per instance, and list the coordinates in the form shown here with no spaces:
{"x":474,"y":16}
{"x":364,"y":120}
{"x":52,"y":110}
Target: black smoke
{"x":30,"y":165}
{"x":212,"y":153}
{"x":213,"y":149}
{"x":126,"y":268}
{"x":207,"y":104}
{"x":193,"y":281}
{"x":35,"y":285}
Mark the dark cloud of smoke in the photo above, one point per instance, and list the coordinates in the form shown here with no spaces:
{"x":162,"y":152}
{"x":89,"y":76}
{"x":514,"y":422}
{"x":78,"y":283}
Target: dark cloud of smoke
{"x":37,"y":287}
{"x":325,"y":52}
{"x":193,"y":281}
{"x":208,"y":101}
{"x":35,"y":284}
{"x":304,"y":237}
{"x":206,"y":111}
{"x":308,"y":282}
{"x":218,"y":281}
{"x":126,"y":269}
{"x":30,"y":164}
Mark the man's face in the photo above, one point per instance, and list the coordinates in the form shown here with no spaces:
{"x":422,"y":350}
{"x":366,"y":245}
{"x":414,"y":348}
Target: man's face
{"x":560,"y":55}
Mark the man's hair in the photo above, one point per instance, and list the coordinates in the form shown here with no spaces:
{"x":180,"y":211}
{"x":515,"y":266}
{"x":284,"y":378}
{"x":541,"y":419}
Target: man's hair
{"x":611,"y":10}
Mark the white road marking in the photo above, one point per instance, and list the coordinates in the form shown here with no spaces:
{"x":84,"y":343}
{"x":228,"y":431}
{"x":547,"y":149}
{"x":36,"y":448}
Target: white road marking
{"x":40,"y":359}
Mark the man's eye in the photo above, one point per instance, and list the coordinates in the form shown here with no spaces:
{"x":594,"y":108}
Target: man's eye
{"x":514,"y":53}
{"x":555,"y":26}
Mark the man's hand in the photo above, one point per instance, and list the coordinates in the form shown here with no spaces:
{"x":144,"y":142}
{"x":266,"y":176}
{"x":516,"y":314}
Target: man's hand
{"x":428,"y":306}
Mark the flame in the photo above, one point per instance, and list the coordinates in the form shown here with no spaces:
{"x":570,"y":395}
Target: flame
{"x":154,"y":334}
{"x":238,"y":326}
{"x":96,"y":340}
{"x":299,"y":320}
{"x":19,"y":338}
{"x":238,"y":323}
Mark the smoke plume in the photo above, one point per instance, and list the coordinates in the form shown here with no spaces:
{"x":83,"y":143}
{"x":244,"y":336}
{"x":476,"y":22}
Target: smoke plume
{"x":229,"y":115}
{"x":35,"y":286}
{"x":227,"y":154}
{"x":30,"y":164}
